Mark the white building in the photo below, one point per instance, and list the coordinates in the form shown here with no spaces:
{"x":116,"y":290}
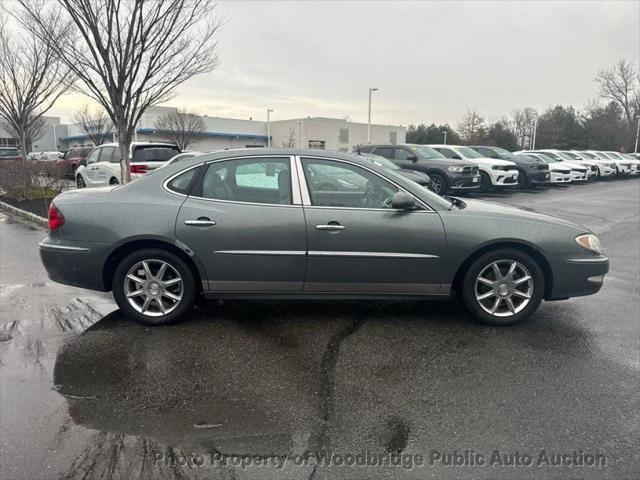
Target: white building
{"x":220,"y":133}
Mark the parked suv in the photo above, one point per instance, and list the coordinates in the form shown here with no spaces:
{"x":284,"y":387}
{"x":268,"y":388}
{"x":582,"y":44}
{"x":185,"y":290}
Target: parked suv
{"x":72,"y":158}
{"x":531,"y":171}
{"x":102,"y":165}
{"x":10,"y":153}
{"x":493,"y":173}
{"x":446,"y":174}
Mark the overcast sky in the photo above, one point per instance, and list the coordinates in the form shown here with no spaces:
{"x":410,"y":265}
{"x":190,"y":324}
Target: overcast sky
{"x":431,"y":60}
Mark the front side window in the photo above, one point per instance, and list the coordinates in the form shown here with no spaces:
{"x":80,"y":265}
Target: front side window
{"x":93,"y":156}
{"x":107,"y":154}
{"x":252,"y":180}
{"x":386,"y":152}
{"x":447,"y":152}
{"x":338,"y":184}
{"x":403,"y":154}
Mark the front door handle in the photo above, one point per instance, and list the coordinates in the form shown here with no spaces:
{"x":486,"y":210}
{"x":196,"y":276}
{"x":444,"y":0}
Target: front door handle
{"x":200,"y":222}
{"x":331,"y":227}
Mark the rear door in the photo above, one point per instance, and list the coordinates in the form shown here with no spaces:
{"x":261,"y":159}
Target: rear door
{"x":358,"y":244}
{"x":244,"y":220}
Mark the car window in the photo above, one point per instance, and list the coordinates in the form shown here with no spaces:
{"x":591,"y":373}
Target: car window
{"x":182,"y":182}
{"x":403,"y":154}
{"x":253,"y":180}
{"x":9,"y":152}
{"x":447,"y":152}
{"x":154,"y":153}
{"x":487,"y":152}
{"x":93,"y":156}
{"x":386,"y":152}
{"x":338,"y":184}
{"x":107,"y":154}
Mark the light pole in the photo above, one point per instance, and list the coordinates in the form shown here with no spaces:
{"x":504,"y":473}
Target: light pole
{"x":535,"y":130}
{"x":637,"y":134}
{"x":445,"y":136}
{"x":372,"y":89}
{"x":55,"y":140}
{"x":269,"y":110}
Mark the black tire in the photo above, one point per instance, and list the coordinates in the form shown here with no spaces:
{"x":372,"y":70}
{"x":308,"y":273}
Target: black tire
{"x":80,"y":182}
{"x":113,"y":181}
{"x":506,"y":255}
{"x":523,"y":181}
{"x":189,"y":289}
{"x":485,"y":182}
{"x":438,"y":183}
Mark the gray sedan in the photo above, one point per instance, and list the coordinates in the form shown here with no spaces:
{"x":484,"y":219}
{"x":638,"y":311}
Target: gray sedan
{"x":256,"y":223}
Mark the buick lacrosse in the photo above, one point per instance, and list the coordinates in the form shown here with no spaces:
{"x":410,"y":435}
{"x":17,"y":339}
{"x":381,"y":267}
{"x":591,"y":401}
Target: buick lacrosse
{"x":304,"y":224}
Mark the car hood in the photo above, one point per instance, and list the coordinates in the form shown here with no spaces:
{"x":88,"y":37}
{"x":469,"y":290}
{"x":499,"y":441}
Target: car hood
{"x":493,"y":161}
{"x":495,"y":209}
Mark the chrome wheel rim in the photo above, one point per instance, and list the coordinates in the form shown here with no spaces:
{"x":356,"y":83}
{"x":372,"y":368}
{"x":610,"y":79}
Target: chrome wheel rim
{"x":153,"y":288}
{"x":504,"y":288}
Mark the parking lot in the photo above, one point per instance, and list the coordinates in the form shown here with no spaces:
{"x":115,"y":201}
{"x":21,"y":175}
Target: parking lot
{"x":254,"y":389}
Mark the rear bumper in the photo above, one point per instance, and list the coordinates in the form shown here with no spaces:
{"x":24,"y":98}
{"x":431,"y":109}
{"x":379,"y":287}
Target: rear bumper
{"x":75,"y":265}
{"x":577,"y":277}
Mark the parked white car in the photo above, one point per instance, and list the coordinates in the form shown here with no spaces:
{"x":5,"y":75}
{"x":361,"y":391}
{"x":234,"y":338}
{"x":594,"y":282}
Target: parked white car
{"x":559,"y":172}
{"x":628,"y":165}
{"x":34,"y":155}
{"x":49,"y":156}
{"x":102,"y":165}
{"x":579,"y":173}
{"x":605,"y":167}
{"x":494,"y":173}
{"x":573,"y":159}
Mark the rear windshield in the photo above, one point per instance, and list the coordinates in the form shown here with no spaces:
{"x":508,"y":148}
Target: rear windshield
{"x":154,"y":153}
{"x":9,"y":152}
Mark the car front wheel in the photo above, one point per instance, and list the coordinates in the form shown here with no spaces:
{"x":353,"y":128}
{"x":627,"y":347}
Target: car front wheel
{"x":485,"y":182}
{"x":438,"y":183}
{"x":154,"y":287}
{"x":80,"y":182}
{"x":503,"y":287}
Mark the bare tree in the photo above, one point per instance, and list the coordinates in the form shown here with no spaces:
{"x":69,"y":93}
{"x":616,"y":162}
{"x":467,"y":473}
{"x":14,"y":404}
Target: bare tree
{"x":290,"y":141}
{"x":127,"y":54}
{"x":471,"y":127}
{"x":95,"y":125}
{"x":181,"y":126}
{"x":521,"y":124}
{"x":621,"y":83}
{"x":32,"y":78}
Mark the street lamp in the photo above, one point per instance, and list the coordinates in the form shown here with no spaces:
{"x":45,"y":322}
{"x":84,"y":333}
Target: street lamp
{"x":269,"y":110}
{"x":535,"y":130}
{"x":372,"y":89}
{"x":637,"y":134}
{"x":445,"y":136}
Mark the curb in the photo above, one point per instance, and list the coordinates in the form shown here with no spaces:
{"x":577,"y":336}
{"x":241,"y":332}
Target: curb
{"x":32,"y":217}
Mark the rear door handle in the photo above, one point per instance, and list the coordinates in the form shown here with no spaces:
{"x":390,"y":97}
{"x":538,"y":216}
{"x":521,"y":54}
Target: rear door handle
{"x":331,"y":226}
{"x":200,"y":222}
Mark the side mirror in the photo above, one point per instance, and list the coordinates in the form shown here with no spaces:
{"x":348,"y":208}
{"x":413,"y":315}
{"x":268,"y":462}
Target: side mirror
{"x":403,"y":201}
{"x":412,"y":158}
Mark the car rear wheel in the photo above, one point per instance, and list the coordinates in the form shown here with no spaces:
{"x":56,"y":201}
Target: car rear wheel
{"x":485,"y":182}
{"x":113,"y":181}
{"x":438,"y":183}
{"x":503,"y":287}
{"x":154,"y":287}
{"x":522,"y":180}
{"x":80,"y":182}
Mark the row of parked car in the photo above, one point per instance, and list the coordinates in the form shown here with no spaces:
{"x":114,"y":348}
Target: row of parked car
{"x":456,"y":168}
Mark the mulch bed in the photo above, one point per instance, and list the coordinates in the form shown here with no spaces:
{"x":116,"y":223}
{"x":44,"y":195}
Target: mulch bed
{"x":36,"y":206}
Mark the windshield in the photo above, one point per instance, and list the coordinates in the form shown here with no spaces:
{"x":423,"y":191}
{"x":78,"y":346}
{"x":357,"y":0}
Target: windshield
{"x":503,"y":154}
{"x":9,"y":152}
{"x":468,"y":152}
{"x":589,"y":155}
{"x":572,"y":156}
{"x":604,"y":155}
{"x":380,"y":161}
{"x":615,"y":155}
{"x":545,"y":157}
{"x":552,"y":155}
{"x":426,"y":152}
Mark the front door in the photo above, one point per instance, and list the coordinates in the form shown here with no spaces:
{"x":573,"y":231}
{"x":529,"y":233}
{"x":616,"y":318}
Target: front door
{"x":358,"y":244}
{"x":242,"y":221}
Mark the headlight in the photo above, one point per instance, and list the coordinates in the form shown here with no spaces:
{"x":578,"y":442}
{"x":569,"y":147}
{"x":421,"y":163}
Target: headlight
{"x":455,"y":168}
{"x":590,"y":242}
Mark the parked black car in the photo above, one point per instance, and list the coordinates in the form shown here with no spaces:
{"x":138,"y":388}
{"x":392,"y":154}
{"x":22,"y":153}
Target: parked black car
{"x":531,"y":172}
{"x":445,"y":174}
{"x":414,"y":175}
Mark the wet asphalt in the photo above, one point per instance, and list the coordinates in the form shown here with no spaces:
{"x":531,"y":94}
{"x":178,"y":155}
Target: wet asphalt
{"x":304,"y":390}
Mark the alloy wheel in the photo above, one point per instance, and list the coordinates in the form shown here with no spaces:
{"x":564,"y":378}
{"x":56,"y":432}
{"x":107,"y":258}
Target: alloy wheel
{"x":504,"y":288}
{"x":436,"y":185}
{"x":153,"y":287}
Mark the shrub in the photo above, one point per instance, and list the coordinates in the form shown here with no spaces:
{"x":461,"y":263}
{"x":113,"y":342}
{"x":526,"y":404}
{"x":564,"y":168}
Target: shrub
{"x":27,"y":180}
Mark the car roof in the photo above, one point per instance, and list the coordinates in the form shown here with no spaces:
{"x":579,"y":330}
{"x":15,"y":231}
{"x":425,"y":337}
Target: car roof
{"x":137,"y":144}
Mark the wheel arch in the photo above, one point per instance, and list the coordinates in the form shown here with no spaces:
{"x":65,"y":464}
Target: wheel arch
{"x":131,"y":245}
{"x":521,"y":245}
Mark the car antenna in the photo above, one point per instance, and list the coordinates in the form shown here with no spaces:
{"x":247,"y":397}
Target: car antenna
{"x":358,"y":149}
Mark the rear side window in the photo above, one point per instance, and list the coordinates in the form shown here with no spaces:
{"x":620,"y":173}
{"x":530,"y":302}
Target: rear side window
{"x":182,"y":183}
{"x":154,"y":153}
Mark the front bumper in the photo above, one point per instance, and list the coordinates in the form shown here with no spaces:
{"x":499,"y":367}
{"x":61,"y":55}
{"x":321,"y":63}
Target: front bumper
{"x":74,"y":264}
{"x":557,"y":177}
{"x":606,"y":171}
{"x":579,"y":276}
{"x":579,"y":175}
{"x":503,"y":178}
{"x":540,"y":177}
{"x":463,"y":182}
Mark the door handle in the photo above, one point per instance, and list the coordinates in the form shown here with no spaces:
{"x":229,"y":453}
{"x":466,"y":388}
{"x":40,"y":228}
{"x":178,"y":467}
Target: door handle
{"x":331,"y":227}
{"x":200,"y":222}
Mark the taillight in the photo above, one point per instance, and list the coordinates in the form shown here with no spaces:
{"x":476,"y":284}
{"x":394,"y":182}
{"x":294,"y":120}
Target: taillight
{"x":56,"y":219}
{"x":138,"y":169}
